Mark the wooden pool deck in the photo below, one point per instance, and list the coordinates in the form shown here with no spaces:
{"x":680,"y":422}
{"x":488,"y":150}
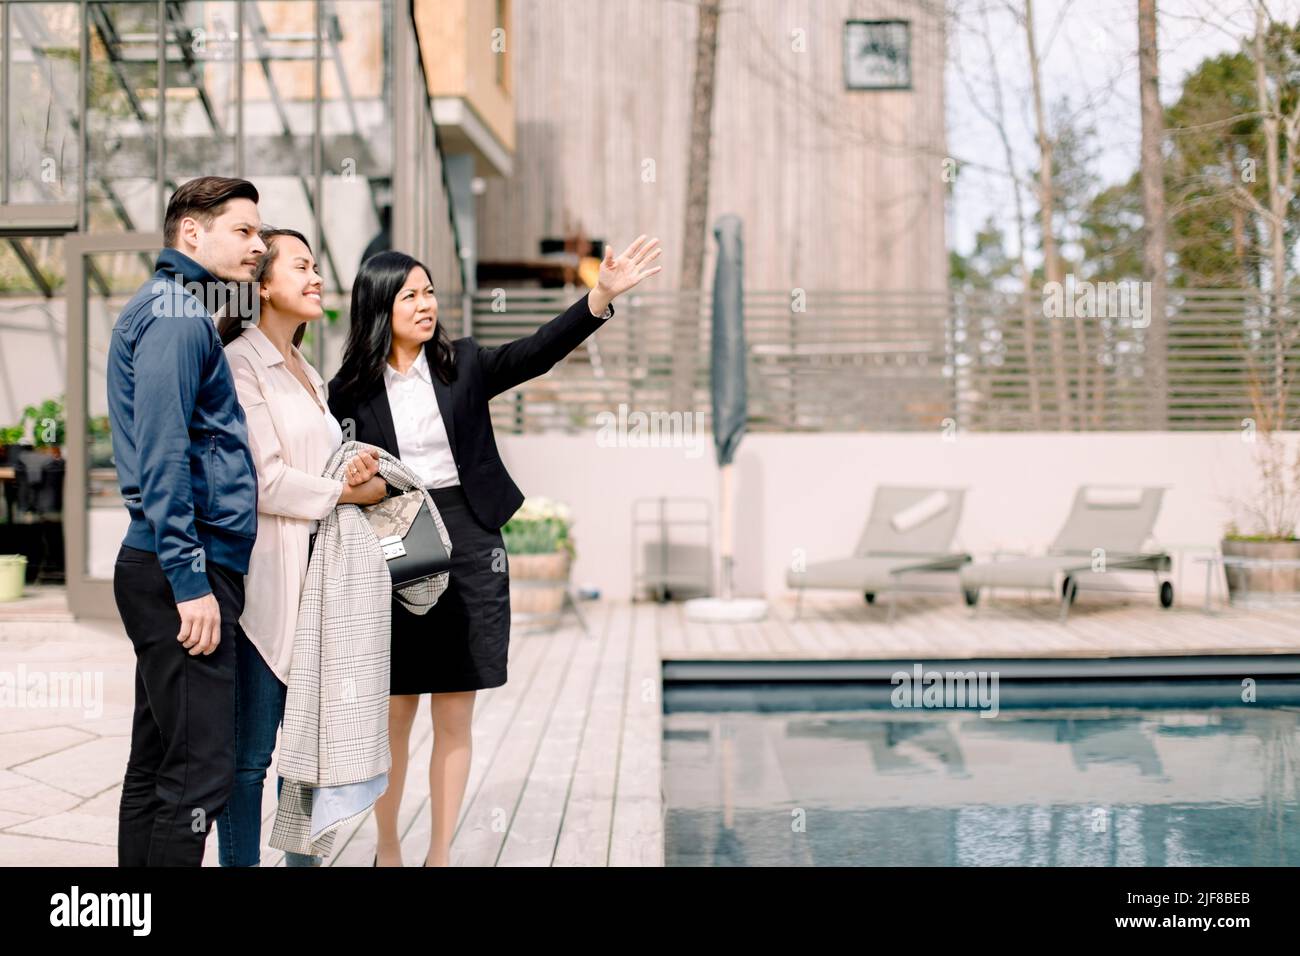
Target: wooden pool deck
{"x":567,"y":766}
{"x":944,"y":628}
{"x":567,"y":755}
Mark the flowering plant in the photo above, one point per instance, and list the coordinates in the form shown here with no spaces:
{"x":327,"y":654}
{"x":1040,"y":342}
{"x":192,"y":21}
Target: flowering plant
{"x":540,"y":526}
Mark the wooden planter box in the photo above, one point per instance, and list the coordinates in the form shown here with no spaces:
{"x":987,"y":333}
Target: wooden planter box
{"x":537,"y":584}
{"x":1268,"y":580}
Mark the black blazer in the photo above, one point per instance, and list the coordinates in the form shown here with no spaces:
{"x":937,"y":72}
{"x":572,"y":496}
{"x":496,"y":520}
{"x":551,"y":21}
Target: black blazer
{"x":481,"y":373}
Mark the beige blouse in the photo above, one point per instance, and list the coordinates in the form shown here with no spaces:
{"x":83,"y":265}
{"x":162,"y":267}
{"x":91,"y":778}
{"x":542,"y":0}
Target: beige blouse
{"x":291,"y":440}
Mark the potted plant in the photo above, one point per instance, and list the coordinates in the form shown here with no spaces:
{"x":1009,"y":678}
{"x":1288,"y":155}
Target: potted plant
{"x":49,"y":426}
{"x":541,"y":549}
{"x":13,"y":575}
{"x":11,"y":442}
{"x":101,"y":442}
{"x":1270,"y":513}
{"x":1270,"y":522}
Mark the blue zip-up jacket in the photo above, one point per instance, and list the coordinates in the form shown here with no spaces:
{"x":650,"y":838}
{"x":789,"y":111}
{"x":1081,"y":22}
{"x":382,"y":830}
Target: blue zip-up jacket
{"x":179,"y":438}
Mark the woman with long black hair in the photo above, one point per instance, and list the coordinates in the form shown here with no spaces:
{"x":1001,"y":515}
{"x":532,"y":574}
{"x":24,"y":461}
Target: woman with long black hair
{"x":405,"y":386}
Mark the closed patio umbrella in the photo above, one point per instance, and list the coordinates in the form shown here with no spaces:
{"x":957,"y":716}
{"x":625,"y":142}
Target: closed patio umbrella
{"x":728,"y":392}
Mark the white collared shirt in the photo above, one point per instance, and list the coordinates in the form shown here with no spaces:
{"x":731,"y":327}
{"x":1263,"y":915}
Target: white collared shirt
{"x":421,"y":433}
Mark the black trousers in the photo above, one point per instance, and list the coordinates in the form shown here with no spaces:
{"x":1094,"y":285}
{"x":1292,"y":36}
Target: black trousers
{"x":182,"y":763}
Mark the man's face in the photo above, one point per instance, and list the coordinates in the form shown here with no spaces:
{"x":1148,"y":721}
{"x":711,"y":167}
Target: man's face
{"x":230,"y":247}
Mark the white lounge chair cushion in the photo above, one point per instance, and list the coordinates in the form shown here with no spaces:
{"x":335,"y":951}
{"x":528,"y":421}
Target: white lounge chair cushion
{"x":925,"y":509}
{"x":851,"y":574}
{"x":1029,"y":572}
{"x":1105,"y":497}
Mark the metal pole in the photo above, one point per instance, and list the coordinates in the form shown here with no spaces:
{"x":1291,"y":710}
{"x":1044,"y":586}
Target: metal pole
{"x":317,"y":153}
{"x":726,"y":527}
{"x":404,"y":233}
{"x":663,"y":553}
{"x":6,"y":88}
{"x":239,"y":89}
{"x":160,"y":158}
{"x":318,"y":171}
{"x":83,"y":112}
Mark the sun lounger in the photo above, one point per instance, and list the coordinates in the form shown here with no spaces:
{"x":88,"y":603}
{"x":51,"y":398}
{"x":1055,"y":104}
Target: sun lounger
{"x":1105,"y":531}
{"x":910,"y":530}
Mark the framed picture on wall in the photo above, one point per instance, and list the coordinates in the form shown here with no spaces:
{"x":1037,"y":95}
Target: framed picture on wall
{"x":877,"y":55}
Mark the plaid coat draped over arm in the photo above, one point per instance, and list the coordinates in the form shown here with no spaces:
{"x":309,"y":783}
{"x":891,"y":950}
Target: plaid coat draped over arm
{"x":334,"y":742}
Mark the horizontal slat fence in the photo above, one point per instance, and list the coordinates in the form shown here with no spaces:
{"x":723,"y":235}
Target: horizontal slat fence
{"x":913,"y":361}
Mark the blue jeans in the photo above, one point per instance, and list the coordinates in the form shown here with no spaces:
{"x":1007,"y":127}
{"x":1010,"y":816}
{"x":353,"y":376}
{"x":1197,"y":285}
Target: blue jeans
{"x":259,"y":710}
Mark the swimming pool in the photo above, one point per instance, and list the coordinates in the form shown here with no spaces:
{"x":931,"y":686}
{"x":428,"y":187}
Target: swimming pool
{"x":1077,"y":773}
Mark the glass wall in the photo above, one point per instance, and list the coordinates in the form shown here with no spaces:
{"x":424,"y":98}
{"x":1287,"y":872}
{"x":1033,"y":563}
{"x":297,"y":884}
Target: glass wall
{"x":295,"y":95}
{"x":107,"y":280}
{"x":42,"y":64}
{"x":123,"y":187}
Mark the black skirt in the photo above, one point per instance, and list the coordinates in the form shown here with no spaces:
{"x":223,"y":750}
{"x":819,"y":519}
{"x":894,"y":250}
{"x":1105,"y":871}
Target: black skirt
{"x":462,"y":643}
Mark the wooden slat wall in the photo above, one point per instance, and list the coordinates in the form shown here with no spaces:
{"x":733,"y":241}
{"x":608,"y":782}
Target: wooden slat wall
{"x":836,"y":189}
{"x":906,"y":361}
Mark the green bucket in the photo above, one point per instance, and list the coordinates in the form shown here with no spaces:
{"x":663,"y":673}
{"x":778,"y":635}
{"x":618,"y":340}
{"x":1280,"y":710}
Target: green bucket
{"x":13,"y":573}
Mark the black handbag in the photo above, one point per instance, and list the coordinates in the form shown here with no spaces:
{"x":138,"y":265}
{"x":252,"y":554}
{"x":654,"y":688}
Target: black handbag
{"x":408,"y":534}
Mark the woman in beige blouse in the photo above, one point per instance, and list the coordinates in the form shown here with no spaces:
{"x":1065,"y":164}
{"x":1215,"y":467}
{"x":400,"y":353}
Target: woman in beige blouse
{"x":292,"y":435}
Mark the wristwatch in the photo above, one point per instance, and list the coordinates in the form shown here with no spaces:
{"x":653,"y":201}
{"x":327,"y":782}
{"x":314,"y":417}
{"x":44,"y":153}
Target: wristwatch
{"x":607,"y":314}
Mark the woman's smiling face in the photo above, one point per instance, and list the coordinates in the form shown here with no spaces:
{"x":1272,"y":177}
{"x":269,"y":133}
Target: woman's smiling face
{"x":292,"y":284}
{"x":415,"y":310}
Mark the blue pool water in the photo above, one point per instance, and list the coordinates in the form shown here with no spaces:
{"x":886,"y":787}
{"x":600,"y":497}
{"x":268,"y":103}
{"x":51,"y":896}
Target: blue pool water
{"x":1083,"y":775}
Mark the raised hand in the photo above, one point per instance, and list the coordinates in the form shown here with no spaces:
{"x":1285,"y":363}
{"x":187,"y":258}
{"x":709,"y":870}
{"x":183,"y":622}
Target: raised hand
{"x":617,"y":275}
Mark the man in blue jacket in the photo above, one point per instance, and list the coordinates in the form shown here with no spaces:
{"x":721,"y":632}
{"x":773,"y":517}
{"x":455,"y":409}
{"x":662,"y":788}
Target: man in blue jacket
{"x":189,"y":484}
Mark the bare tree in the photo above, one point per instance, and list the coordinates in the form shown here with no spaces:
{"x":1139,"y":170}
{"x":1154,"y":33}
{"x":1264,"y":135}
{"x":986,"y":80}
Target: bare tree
{"x":1046,"y":205}
{"x":694,"y":235}
{"x":1275,"y":506}
{"x":997,"y":118}
{"x":1281,"y":128}
{"x":1153,"y":214}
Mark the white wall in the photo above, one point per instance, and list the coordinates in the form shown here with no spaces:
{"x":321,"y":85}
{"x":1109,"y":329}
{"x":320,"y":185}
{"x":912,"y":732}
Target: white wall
{"x":32,"y":366}
{"x":813,"y":491}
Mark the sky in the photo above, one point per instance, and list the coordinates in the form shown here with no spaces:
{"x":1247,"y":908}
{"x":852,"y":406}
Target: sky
{"x":1088,"y":49}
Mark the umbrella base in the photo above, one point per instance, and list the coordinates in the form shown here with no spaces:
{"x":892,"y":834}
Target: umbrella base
{"x":722,"y":609}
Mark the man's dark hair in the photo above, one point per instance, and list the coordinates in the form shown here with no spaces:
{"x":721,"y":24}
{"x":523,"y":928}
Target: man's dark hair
{"x":202,"y":199}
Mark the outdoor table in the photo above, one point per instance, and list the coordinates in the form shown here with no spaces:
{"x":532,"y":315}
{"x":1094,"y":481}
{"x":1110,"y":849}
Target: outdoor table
{"x":1244,"y":563}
